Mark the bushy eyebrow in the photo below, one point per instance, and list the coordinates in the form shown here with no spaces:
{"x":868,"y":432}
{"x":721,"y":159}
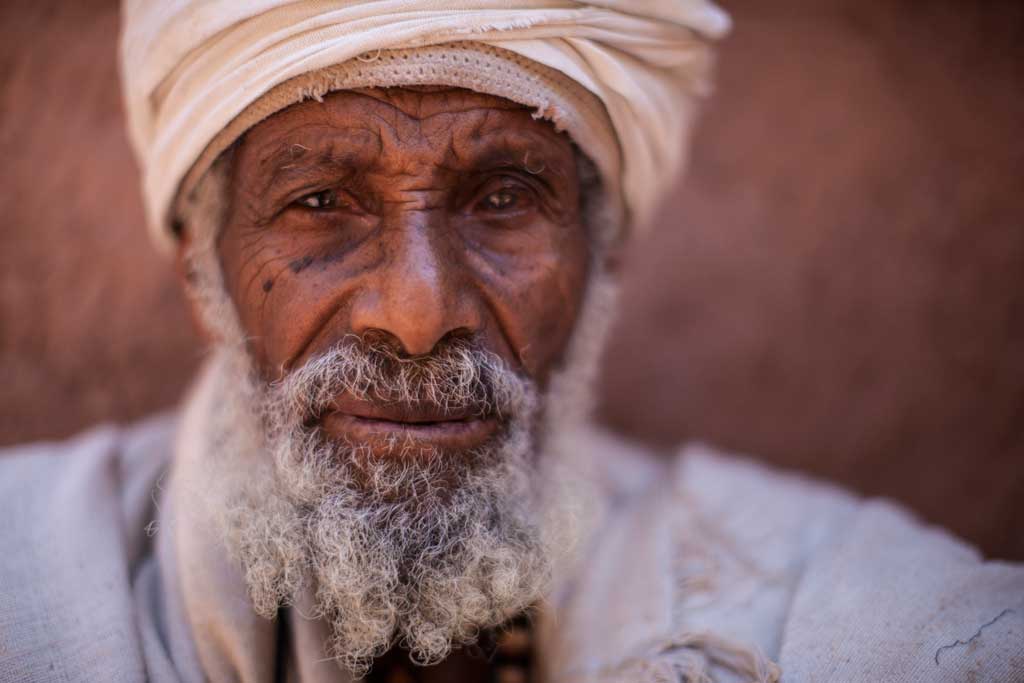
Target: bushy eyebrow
{"x":533,"y":155}
{"x":294,"y":162}
{"x":290,"y":163}
{"x":320,"y":163}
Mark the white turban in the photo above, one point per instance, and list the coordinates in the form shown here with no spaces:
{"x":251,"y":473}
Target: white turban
{"x":621,"y":77}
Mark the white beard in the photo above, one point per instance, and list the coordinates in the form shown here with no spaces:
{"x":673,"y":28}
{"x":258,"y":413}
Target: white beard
{"x":419,"y":548}
{"x":397,"y":550}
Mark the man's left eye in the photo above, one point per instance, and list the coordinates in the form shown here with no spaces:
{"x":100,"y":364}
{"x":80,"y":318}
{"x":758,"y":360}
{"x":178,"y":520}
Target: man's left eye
{"x":325,"y":199}
{"x":500,"y":200}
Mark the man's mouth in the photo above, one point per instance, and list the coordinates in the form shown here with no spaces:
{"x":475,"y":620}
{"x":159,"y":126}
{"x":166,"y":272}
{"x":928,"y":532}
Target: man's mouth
{"x":422,"y":425}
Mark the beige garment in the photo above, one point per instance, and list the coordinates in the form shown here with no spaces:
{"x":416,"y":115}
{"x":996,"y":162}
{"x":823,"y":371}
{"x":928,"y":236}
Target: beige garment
{"x":190,"y":67}
{"x":702,"y":568}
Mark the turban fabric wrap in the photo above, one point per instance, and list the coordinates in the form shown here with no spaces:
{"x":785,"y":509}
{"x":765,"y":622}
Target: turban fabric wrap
{"x":621,"y":77}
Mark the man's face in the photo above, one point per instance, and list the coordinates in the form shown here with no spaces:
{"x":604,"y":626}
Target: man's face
{"x":414,"y":218}
{"x":408,"y":267}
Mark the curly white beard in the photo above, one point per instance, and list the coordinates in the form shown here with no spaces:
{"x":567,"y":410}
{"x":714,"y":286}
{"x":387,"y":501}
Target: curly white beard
{"x":419,"y":547}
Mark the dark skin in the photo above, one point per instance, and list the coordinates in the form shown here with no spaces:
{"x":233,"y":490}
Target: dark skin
{"x":414,"y":215}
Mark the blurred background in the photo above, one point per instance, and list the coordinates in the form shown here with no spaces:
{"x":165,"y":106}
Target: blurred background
{"x":837,"y":287}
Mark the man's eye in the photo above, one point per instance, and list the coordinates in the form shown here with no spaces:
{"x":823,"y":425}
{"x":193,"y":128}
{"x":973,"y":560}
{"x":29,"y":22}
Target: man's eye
{"x":500,"y":200}
{"x":325,"y":199}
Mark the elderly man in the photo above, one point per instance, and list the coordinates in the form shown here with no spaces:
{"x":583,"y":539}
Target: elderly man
{"x":398,"y":222}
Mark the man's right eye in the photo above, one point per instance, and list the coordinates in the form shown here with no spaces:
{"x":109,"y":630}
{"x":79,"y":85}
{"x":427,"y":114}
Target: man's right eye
{"x":325,"y":199}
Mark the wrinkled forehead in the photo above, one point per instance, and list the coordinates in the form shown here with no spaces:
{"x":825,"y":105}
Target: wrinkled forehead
{"x":406,"y":130}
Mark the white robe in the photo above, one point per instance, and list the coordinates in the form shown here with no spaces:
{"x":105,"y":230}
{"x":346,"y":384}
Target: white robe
{"x":699,"y":565}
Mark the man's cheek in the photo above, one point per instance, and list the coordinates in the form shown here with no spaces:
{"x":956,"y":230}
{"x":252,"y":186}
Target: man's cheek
{"x":261,"y":286}
{"x":547,"y":313}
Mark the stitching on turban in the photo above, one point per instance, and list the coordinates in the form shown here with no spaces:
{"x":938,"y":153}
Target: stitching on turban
{"x":190,"y":68}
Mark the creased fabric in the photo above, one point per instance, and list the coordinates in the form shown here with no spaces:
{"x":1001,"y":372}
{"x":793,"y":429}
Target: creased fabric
{"x":72,"y":538}
{"x":189,"y":67}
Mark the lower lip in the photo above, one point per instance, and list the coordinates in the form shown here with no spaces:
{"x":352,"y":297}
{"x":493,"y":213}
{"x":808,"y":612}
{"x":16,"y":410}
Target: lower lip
{"x":454,"y":435}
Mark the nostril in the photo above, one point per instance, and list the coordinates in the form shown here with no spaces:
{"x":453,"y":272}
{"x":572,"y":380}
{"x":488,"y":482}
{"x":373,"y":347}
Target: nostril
{"x":377,"y":337}
{"x":458,"y":334}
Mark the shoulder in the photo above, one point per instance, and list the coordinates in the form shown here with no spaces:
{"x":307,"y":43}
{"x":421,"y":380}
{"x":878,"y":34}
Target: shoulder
{"x":74,"y":516}
{"x":787,"y":513}
{"x":693,"y":564}
{"x":106,"y":470}
{"x":830,"y":585}
{"x":892,"y":597}
{"x":874,"y":594}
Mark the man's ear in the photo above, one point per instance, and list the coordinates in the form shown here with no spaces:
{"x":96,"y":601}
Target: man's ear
{"x":186,"y":278}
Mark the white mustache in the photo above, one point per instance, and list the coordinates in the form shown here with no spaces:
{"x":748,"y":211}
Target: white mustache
{"x":459,"y":375}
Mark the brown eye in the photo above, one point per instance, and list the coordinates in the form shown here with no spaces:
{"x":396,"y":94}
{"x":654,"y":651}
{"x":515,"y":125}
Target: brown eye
{"x":325,"y":199}
{"x":500,"y":200}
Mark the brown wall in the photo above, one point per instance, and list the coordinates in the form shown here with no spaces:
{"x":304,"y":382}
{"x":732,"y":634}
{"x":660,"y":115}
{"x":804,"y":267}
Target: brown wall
{"x":837,"y":287}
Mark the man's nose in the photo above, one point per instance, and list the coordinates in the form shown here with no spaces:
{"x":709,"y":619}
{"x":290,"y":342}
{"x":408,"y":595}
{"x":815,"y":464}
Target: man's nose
{"x":417,"y":295}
